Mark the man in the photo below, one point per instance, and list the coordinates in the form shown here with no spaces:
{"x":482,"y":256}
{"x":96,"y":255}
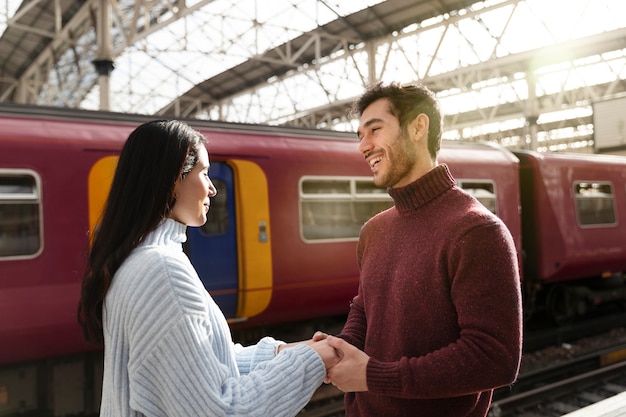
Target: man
{"x":436,"y":324}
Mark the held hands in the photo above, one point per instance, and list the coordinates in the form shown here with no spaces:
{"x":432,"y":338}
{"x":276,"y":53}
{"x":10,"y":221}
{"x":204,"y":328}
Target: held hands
{"x":345,"y":364}
{"x":349,"y":374}
{"x":327,"y":353}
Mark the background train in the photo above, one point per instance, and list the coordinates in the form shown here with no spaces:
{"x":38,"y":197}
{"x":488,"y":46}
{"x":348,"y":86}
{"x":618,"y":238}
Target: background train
{"x":279,"y":245}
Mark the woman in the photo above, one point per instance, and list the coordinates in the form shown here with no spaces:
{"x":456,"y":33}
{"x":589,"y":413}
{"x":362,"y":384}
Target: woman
{"x":168,"y":350}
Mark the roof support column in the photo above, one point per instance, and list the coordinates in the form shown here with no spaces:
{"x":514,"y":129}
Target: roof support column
{"x":371,"y":63}
{"x":532,"y":114}
{"x":104,"y":61}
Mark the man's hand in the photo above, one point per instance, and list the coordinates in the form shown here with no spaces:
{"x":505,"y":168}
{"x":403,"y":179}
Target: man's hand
{"x":328,"y":354}
{"x":350,"y":373}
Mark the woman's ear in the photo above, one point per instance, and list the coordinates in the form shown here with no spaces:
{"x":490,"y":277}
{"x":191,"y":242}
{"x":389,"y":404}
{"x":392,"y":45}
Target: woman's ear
{"x":175,"y":191}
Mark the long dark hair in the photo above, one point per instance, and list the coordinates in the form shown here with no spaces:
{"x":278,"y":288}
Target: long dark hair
{"x":155,"y":155}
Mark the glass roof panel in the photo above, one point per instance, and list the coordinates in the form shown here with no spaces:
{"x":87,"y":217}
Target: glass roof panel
{"x":155,"y":70}
{"x":7,"y":9}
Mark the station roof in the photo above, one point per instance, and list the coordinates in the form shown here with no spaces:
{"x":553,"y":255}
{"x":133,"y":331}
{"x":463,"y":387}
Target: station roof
{"x":38,"y":25}
{"x":496,"y":65}
{"x":376,"y":21}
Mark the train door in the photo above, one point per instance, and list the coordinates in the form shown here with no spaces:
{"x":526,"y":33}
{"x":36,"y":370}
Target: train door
{"x":232,"y":251}
{"x":212,"y":248}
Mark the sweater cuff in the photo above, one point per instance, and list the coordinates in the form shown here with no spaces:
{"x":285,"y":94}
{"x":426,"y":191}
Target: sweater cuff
{"x":266,"y":349}
{"x":383,"y":377}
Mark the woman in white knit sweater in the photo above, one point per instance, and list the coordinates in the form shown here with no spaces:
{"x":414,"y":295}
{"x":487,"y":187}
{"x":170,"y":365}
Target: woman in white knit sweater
{"x":168,"y":350}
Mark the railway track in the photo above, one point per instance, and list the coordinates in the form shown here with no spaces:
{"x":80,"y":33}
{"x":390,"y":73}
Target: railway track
{"x":551,"y":400}
{"x":538,"y":334}
{"x":564,"y":396}
{"x":566,"y":386}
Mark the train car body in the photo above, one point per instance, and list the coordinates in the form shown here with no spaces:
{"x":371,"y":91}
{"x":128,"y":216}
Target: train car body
{"x":279,"y":245}
{"x":574,"y":228}
{"x":44,"y":166}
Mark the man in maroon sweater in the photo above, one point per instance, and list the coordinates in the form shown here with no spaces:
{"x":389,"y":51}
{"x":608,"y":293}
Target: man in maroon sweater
{"x":436,"y":324}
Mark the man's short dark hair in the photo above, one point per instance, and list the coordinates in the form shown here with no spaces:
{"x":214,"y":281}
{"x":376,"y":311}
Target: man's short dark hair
{"x":406,"y":103}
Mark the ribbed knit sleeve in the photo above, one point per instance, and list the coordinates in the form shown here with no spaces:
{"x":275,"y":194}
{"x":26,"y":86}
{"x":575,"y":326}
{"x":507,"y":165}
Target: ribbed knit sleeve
{"x":169,"y":352}
{"x":250,"y":356}
{"x":180,"y":378}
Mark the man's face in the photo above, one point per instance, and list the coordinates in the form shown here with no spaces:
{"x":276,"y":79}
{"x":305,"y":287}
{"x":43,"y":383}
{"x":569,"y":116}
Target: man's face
{"x":388,"y":150}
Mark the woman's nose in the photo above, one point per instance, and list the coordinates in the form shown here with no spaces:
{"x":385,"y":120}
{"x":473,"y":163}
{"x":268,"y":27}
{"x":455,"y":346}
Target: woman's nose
{"x":212,"y":189}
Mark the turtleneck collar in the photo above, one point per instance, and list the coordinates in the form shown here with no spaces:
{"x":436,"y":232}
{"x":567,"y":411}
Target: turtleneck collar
{"x":423,"y":190}
{"x":168,"y":232}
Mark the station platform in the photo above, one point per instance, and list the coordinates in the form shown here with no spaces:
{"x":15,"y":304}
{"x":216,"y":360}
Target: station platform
{"x":614,"y":406}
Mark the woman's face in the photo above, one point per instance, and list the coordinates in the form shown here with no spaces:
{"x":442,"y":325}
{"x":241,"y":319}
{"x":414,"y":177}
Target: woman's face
{"x":192,"y":193}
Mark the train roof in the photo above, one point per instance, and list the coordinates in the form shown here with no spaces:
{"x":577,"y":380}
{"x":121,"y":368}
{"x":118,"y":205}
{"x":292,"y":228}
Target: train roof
{"x":462,"y":151}
{"x":52,"y":115}
{"x":569,"y":159}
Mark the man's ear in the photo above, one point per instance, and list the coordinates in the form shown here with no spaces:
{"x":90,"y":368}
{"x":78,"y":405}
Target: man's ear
{"x":419,"y":127}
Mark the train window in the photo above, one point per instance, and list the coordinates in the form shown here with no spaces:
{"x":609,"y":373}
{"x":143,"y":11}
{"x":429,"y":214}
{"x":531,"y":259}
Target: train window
{"x":217,"y":218}
{"x":336,"y":208}
{"x":20,"y":220}
{"x":595,"y":204}
{"x":483,"y":191}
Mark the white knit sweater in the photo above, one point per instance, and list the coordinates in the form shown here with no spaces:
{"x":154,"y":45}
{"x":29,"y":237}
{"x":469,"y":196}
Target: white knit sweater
{"x":169,"y":352}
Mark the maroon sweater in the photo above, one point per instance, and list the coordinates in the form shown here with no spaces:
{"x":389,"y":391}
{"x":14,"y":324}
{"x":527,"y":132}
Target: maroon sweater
{"x":438,"y":308}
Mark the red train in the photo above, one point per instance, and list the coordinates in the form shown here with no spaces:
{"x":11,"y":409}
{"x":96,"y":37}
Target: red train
{"x":280,"y":242}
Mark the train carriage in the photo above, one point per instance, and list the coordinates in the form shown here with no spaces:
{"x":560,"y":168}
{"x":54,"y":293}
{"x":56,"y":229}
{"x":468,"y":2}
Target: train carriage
{"x":574,"y":229}
{"x":279,"y":244}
